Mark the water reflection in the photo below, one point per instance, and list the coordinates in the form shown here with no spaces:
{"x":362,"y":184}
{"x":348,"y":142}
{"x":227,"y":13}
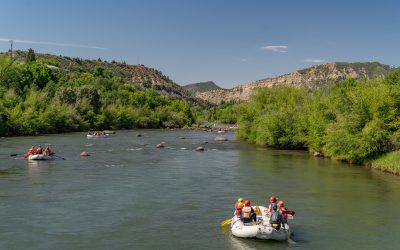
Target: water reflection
{"x":7,"y":171}
{"x":36,"y":168}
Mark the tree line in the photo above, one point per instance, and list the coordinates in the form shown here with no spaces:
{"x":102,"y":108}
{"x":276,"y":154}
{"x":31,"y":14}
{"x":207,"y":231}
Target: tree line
{"x":38,"y":97}
{"x":354,"y":120}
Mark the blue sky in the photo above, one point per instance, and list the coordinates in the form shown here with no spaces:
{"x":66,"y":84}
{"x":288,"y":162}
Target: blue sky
{"x":228,"y":42}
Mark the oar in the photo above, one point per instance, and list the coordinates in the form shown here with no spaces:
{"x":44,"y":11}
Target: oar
{"x":12,"y":155}
{"x":226,"y":222}
{"x":59,"y":157}
{"x":289,"y":240}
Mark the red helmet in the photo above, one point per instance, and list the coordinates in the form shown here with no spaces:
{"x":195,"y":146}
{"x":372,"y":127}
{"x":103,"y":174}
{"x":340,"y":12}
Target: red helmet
{"x":272,"y":199}
{"x":280,"y":204}
{"x":247,"y":203}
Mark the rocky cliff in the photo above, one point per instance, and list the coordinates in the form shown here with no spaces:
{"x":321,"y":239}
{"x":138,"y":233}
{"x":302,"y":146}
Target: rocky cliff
{"x":311,"y":78}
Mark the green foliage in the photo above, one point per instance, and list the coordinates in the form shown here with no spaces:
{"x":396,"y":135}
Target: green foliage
{"x":201,"y":86}
{"x":354,"y":121}
{"x":389,"y":162}
{"x":227,"y":113}
{"x":274,"y":119}
{"x":98,"y":71}
{"x":30,"y":56}
{"x":48,"y":61}
{"x":393,"y":77}
{"x":36,"y":98}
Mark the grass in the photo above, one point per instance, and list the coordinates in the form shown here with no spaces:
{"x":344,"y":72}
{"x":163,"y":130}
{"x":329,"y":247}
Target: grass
{"x":389,"y":162}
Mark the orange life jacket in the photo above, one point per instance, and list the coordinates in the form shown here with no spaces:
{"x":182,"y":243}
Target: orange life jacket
{"x":238,"y":208}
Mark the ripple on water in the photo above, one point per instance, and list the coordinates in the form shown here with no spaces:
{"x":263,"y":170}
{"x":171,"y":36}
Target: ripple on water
{"x":114,"y":165}
{"x":134,"y":149}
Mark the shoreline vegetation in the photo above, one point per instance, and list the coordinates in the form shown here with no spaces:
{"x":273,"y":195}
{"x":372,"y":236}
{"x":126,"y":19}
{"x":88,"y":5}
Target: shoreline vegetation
{"x":356,"y":121}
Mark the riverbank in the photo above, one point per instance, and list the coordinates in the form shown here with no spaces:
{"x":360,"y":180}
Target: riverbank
{"x":387,"y":163}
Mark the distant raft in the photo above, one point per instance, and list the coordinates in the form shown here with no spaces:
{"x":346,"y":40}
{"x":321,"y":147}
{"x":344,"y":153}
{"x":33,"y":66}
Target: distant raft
{"x":38,"y":157}
{"x":97,"y":134}
{"x":260,"y":230}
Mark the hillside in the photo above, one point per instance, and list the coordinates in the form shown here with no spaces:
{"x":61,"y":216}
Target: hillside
{"x":201,"y":87}
{"x":42,"y":94}
{"x":312,"y":77}
{"x":140,"y":75}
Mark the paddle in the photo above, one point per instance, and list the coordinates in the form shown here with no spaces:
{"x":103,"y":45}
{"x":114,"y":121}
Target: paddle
{"x":226,"y":222}
{"x":14,"y":155}
{"x":59,"y":157}
{"x":289,"y":240}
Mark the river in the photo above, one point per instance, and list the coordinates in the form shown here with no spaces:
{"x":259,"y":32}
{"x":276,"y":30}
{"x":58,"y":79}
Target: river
{"x":131,"y":195}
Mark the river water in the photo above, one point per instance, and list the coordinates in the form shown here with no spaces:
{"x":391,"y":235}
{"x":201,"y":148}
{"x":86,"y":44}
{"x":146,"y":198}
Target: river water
{"x":131,"y":195}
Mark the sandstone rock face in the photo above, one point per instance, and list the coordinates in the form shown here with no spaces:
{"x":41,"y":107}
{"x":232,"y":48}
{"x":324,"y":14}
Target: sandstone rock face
{"x":313,"y":77}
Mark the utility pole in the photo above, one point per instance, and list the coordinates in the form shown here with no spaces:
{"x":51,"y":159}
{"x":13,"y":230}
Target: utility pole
{"x":11,"y":41}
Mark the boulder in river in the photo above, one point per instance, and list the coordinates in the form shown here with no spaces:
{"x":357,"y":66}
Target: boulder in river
{"x":199,"y":149}
{"x":318,"y":154}
{"x":220,"y":138}
{"x":84,"y":153}
{"x":138,"y":135}
{"x":160,"y":145}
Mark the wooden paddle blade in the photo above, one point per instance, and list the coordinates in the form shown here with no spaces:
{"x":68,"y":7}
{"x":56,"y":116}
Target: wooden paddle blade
{"x":226,"y":222}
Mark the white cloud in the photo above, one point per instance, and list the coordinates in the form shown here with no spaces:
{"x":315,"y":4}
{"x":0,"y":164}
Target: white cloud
{"x":52,"y":43}
{"x":313,"y":60}
{"x":276,"y":48}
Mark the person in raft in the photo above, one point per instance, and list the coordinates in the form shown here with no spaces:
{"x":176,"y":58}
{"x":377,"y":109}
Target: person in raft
{"x":284,"y":211}
{"x":32,"y":150}
{"x":248,"y":215}
{"x":39,"y":150}
{"x":238,"y":207}
{"x":272,"y":201}
{"x":276,"y":220}
{"x":48,"y":151}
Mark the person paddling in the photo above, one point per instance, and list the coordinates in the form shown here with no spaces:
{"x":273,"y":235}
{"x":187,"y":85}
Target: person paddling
{"x":284,"y":211}
{"x":39,"y":150}
{"x":31,"y":151}
{"x":48,"y":151}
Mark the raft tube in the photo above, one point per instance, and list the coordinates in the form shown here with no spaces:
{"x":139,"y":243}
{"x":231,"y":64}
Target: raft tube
{"x":39,"y":157}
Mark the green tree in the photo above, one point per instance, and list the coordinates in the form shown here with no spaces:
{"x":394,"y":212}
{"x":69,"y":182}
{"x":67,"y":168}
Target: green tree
{"x":30,"y":56}
{"x":393,"y":77}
